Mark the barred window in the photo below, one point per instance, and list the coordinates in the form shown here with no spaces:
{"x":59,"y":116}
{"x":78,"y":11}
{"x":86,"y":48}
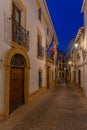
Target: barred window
{"x":40,"y":79}
{"x":39,"y":14}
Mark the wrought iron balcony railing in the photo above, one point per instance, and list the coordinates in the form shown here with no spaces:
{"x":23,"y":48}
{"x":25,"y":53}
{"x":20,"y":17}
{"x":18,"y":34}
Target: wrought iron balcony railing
{"x":19,"y":34}
{"x":51,"y":57}
{"x":40,"y":51}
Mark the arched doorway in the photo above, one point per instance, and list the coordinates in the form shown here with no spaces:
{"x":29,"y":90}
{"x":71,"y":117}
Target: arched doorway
{"x":16,"y":71}
{"x":17,"y":82}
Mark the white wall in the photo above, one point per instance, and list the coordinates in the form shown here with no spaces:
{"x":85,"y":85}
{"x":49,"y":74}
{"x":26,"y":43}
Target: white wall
{"x":85,"y":46}
{"x":4,"y":43}
{"x":32,"y":25}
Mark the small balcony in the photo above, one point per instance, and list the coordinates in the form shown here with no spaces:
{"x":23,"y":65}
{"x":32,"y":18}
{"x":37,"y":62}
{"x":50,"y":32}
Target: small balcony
{"x":51,"y":57}
{"x":19,"y":34}
{"x":40,"y":51}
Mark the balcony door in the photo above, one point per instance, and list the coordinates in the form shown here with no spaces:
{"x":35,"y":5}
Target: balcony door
{"x":16,"y":22}
{"x":16,"y":13}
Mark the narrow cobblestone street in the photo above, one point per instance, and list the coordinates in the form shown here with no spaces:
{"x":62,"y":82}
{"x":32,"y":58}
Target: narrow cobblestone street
{"x":61,"y":109}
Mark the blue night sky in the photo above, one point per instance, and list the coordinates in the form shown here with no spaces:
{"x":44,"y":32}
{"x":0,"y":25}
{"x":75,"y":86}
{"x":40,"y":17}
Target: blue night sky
{"x":67,"y":18}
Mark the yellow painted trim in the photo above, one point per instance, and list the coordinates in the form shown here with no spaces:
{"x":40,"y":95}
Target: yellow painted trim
{"x":45,"y":20}
{"x":49,"y":60}
{"x":48,"y":64}
{"x":39,"y":32}
{"x":55,"y":43}
{"x":43,"y":15}
{"x":13,"y":44}
{"x":40,"y":69}
{"x":7,"y":68}
{"x":38,"y":3}
{"x":40,"y":58}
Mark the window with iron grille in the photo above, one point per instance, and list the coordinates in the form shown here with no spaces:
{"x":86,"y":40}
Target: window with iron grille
{"x":39,"y":14}
{"x":40,"y":79}
{"x":19,"y":34}
{"x":40,"y":49}
{"x":18,"y":61}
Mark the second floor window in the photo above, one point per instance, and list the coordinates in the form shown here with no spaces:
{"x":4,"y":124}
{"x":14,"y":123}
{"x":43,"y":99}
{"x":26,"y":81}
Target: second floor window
{"x":40,"y":49}
{"x":39,"y":14}
{"x":16,"y":13}
{"x":19,"y":34}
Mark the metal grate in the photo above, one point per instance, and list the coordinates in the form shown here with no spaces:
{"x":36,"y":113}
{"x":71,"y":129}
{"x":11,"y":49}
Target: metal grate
{"x":19,"y":34}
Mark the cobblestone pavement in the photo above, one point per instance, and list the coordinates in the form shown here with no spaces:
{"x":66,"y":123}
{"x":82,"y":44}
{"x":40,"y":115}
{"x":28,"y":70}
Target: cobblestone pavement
{"x":62,"y":109}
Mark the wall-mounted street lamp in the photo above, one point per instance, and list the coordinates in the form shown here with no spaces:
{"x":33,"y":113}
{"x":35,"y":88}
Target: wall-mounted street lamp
{"x":70,"y":62}
{"x":84,"y":52}
{"x":76,"y":45}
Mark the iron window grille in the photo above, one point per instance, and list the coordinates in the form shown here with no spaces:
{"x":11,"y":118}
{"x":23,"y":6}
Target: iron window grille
{"x":39,"y":14}
{"x":19,"y":34}
{"x":40,"y":79}
{"x":40,"y":51}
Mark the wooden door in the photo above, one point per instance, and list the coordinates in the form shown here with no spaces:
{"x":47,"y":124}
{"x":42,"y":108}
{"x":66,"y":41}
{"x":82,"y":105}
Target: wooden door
{"x":79,"y":77}
{"x":16,"y":88}
{"x":47,"y":77}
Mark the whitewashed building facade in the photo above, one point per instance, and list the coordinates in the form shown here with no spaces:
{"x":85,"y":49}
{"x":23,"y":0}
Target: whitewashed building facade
{"x":77,"y":65}
{"x":79,"y":55}
{"x":26,"y":31}
{"x":84,"y":10}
